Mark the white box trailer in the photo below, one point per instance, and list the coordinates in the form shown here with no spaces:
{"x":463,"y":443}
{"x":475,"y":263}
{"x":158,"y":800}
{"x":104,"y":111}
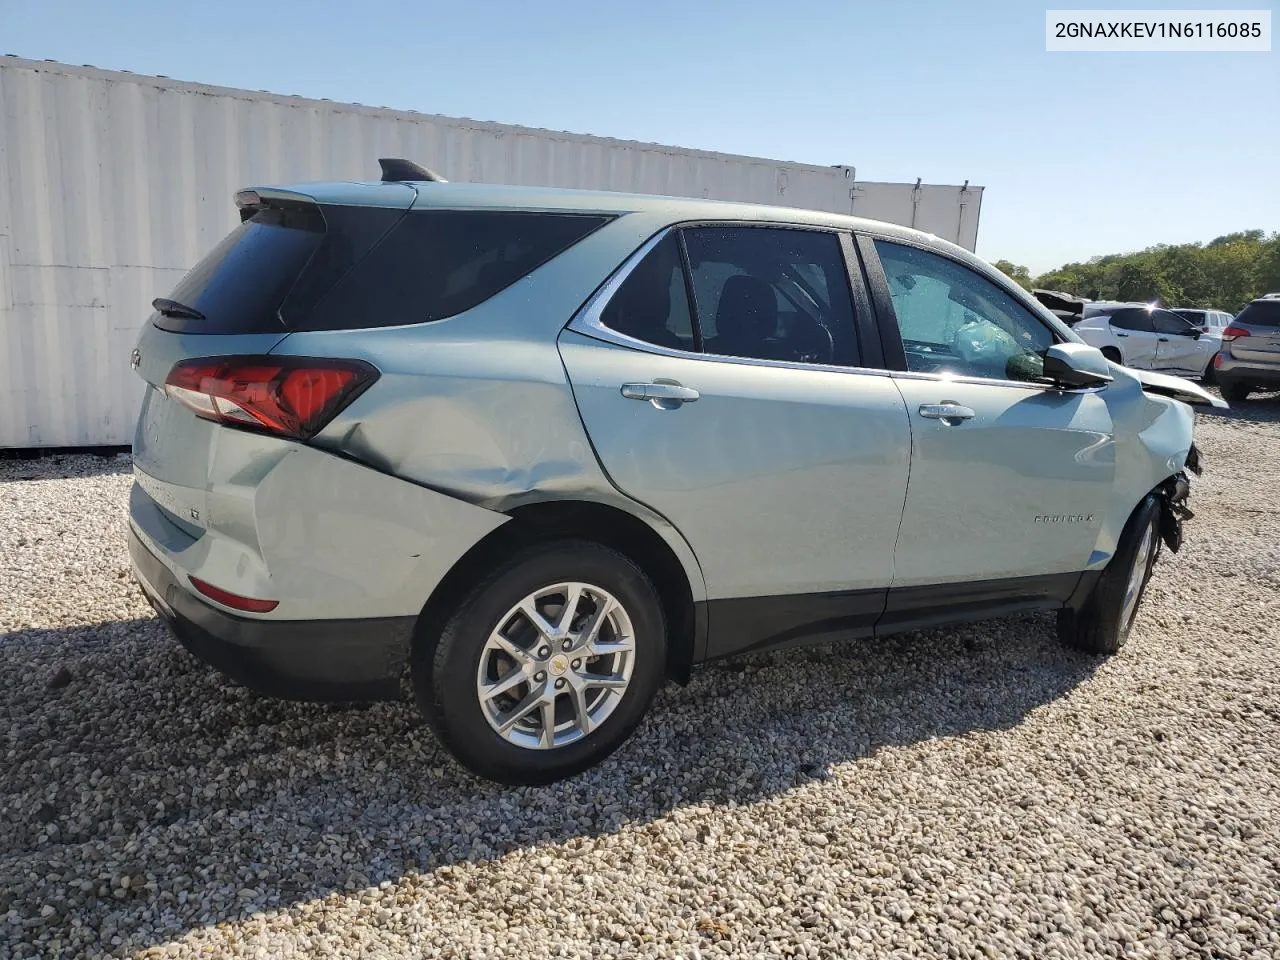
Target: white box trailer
{"x":113,"y":184}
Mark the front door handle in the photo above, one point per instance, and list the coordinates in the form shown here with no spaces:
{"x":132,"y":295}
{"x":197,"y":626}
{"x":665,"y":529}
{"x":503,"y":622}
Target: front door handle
{"x":663,"y":394}
{"x":946,"y":411}
{"x":1122,"y":335}
{"x":1163,"y":339}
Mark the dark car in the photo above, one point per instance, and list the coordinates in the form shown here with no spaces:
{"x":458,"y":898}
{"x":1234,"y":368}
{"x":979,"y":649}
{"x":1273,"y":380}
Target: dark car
{"x":1250,"y":355}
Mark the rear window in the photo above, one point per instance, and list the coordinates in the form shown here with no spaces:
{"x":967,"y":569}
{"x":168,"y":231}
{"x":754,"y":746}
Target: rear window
{"x":308,"y":267}
{"x":241,"y":283}
{"x":1261,"y":313}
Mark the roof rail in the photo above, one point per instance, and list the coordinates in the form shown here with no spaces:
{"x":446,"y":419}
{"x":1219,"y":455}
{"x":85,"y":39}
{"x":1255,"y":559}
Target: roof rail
{"x":396,"y":170}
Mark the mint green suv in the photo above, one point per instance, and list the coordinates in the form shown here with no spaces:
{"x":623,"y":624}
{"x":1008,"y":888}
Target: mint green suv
{"x":531,"y":452}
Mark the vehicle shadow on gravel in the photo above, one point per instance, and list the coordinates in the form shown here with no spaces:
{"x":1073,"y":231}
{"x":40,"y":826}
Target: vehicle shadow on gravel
{"x":151,"y":795}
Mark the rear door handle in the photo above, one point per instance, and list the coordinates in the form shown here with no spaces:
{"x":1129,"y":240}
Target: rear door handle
{"x":947,"y":411}
{"x":1122,"y":335}
{"x":664,"y":395}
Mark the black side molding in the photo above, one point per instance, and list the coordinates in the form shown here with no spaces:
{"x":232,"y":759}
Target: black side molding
{"x":753,"y":624}
{"x":397,"y":170}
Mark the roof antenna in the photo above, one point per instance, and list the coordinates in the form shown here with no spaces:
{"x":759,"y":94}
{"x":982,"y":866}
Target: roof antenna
{"x":396,"y":170}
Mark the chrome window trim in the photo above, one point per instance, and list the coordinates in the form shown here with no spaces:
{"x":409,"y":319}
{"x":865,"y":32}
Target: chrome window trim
{"x":992,"y":382}
{"x":588,"y":323}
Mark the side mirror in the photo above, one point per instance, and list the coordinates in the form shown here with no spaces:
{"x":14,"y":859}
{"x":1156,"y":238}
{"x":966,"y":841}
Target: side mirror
{"x":1076,"y":365}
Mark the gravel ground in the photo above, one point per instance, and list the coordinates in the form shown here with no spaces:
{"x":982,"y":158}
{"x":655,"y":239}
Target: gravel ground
{"x":967,"y":792}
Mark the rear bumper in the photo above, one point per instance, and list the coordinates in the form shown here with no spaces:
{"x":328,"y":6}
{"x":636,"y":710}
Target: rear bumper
{"x":295,"y":659}
{"x":1250,"y":372}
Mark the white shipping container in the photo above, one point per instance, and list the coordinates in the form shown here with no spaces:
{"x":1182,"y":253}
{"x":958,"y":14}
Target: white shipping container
{"x":112,"y":185}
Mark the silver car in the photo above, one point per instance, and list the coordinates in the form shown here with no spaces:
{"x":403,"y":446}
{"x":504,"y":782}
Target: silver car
{"x":1250,"y":355}
{"x":536,"y":451}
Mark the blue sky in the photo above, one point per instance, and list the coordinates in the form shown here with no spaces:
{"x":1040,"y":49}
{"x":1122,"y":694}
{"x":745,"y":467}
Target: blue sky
{"x":1081,"y":154}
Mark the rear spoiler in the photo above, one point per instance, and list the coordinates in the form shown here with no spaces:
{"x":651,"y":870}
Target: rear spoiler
{"x":251,"y":201}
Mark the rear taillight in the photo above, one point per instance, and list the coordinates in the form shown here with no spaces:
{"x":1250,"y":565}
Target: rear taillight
{"x":1231,"y":333}
{"x":289,"y":396}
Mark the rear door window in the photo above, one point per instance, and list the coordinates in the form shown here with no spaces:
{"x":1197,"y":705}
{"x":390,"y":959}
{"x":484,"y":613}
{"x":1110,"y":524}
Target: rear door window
{"x":772,"y":293}
{"x":653,"y":303}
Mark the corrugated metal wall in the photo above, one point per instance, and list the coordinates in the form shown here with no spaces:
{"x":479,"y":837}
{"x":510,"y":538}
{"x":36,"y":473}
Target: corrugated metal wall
{"x":112,"y":185}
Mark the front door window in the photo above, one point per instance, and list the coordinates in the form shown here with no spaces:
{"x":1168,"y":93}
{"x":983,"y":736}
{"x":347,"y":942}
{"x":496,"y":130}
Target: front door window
{"x":954,"y":320}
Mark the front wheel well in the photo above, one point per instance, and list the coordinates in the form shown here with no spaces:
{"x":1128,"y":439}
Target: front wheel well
{"x":543,"y":522}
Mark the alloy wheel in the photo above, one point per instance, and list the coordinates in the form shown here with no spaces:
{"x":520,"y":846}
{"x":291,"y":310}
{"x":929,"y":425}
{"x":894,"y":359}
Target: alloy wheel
{"x":556,"y":666}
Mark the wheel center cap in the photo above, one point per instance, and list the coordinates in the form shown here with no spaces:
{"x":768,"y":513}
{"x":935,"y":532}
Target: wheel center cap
{"x":558,"y":664}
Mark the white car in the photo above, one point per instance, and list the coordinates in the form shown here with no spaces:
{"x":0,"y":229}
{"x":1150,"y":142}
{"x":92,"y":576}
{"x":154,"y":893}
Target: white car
{"x":1147,"y":338}
{"x":1210,"y":322}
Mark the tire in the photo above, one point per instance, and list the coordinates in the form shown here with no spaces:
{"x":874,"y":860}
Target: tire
{"x":447,"y":670}
{"x":1101,"y":624}
{"x":1233,"y":391}
{"x":1210,"y":375}
{"x":1112,"y":354}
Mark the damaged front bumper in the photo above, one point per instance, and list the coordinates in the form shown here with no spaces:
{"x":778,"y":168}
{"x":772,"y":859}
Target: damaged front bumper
{"x":1173,"y":494}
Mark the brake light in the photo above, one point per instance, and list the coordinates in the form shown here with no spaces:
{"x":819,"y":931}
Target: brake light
{"x":233,"y":600}
{"x":292,"y":397}
{"x":1231,"y":333}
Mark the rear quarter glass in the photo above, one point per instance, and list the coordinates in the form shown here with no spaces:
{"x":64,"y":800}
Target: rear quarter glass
{"x":295,"y":266}
{"x":439,"y":263}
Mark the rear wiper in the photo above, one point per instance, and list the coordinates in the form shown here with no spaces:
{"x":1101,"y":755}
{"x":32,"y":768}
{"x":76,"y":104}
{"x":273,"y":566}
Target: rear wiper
{"x":172,"y":308}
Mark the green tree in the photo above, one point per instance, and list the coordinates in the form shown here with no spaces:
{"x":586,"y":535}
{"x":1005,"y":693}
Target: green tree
{"x":1018,"y":274}
{"x":1225,"y":273}
{"x":1268,"y":271}
{"x":1143,"y":280}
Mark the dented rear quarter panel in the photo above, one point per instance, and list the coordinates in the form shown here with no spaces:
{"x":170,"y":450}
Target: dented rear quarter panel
{"x":478,"y":407}
{"x":326,"y":537}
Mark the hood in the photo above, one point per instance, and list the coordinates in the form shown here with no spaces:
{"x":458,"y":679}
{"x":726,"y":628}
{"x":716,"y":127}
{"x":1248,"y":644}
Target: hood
{"x":1175,"y":387}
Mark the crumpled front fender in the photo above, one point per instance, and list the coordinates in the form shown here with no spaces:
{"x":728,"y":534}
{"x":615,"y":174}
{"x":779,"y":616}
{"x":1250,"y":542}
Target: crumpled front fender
{"x":1178,"y":388}
{"x":1154,"y":436}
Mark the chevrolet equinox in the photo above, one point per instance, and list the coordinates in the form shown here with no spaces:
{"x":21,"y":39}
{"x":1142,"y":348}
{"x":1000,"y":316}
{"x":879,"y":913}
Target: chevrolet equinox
{"x":535,"y":451}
